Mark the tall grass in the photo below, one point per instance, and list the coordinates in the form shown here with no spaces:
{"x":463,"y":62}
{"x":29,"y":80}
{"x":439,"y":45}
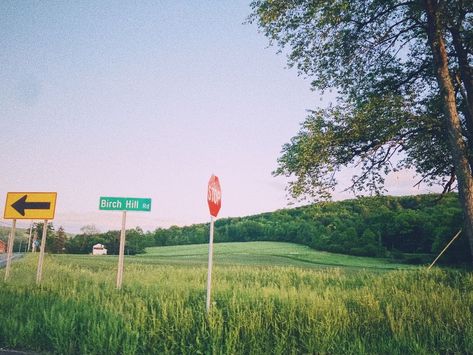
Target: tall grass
{"x":256,"y":310}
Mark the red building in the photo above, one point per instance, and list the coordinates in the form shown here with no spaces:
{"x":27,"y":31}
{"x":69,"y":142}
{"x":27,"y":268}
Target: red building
{"x":3,"y":247}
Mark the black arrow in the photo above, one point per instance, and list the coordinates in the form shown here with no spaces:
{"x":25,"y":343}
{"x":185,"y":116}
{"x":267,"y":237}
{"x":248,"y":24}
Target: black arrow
{"x":21,"y":205}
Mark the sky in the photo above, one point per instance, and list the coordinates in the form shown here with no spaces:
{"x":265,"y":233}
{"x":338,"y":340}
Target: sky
{"x":147,"y":99}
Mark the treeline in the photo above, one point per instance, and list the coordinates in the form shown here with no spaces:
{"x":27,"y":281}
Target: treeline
{"x":409,"y":228}
{"x":58,"y":242}
{"x":136,"y":242}
{"x":55,"y":241}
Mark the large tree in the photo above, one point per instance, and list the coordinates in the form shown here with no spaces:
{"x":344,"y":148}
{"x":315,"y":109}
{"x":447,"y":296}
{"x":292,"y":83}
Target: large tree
{"x":404,"y":78}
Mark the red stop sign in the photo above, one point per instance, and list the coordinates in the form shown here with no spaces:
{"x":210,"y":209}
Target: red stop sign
{"x":214,"y":196}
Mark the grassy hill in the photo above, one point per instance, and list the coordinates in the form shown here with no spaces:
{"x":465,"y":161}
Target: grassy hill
{"x":261,"y":254}
{"x":413,"y":228}
{"x":257,"y":254}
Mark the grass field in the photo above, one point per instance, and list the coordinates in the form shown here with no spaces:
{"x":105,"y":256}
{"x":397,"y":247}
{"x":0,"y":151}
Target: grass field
{"x":296,"y":307}
{"x":262,"y":254}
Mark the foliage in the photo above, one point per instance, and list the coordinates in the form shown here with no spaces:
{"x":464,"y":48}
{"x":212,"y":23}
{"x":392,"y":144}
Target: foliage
{"x":4,"y":233}
{"x":403,"y":72}
{"x":89,"y":229}
{"x":50,"y":235}
{"x":368,"y":226}
{"x":377,"y":56}
{"x":58,"y":243}
{"x":21,"y":238}
{"x":83,"y":243}
{"x":256,"y":310}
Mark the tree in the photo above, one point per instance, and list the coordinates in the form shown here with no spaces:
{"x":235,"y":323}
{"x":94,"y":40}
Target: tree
{"x":59,"y":241}
{"x":404,"y":78}
{"x":89,"y":229}
{"x":38,"y":230}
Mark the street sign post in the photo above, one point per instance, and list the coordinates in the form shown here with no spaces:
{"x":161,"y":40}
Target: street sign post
{"x":29,"y":205}
{"x":123,"y":204}
{"x":214,"y":200}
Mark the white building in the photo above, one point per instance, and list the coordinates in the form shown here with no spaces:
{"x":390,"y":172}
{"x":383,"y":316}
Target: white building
{"x":99,"y":249}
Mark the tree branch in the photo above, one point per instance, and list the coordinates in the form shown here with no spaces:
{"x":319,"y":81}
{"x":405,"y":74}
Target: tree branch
{"x":382,"y":13}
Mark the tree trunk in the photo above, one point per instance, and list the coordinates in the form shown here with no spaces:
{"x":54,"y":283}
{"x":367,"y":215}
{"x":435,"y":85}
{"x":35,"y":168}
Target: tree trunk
{"x":465,"y":70}
{"x":456,"y":141}
{"x":467,"y":80}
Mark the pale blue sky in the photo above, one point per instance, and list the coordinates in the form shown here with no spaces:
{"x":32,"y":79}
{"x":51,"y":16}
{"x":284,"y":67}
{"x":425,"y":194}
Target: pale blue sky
{"x":145,"y":99}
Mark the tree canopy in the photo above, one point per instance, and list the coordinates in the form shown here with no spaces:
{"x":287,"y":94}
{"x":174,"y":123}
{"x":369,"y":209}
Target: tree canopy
{"x":403,"y":74}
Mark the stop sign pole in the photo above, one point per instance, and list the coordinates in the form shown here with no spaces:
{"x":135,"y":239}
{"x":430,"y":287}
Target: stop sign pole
{"x":214,"y":200}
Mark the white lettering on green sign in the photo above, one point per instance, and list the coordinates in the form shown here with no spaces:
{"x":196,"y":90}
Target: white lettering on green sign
{"x":125,"y":204}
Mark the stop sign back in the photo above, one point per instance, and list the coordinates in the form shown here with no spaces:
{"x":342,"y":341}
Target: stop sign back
{"x":214,"y":196}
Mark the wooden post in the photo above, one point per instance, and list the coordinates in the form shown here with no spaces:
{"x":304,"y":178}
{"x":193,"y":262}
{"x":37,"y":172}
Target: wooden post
{"x":11,"y":240}
{"x":29,"y":238}
{"x":33,"y":242}
{"x":443,"y":251}
{"x":121,"y":255}
{"x":209,"y":269}
{"x":39,"y":272}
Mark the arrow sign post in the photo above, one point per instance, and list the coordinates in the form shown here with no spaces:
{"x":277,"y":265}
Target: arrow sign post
{"x":123,"y":204}
{"x":214,"y":200}
{"x":29,"y":205}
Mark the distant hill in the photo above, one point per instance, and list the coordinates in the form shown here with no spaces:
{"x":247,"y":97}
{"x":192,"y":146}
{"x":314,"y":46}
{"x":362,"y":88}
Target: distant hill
{"x":409,"y":228}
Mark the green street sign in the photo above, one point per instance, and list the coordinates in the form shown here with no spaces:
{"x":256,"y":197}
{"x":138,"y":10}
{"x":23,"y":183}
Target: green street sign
{"x":125,"y":204}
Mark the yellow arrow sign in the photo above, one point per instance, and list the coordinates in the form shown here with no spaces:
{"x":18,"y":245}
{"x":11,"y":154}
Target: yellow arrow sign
{"x":30,"y":205}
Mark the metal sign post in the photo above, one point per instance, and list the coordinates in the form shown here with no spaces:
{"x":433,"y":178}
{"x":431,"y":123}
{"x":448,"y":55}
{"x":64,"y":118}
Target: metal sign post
{"x":214,"y":200}
{"x":11,"y":240}
{"x":209,"y":271}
